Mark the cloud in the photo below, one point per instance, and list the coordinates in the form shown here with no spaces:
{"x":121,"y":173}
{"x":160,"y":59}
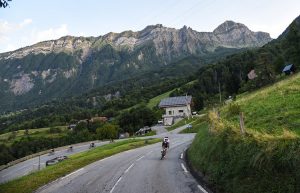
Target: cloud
{"x":11,"y":38}
{"x":49,"y":34}
{"x":25,"y":22}
{"x":7,"y":28}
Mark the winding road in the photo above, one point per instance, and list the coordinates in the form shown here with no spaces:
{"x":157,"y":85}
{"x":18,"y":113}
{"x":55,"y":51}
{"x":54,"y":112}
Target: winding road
{"x":135,"y":171}
{"x":31,"y":165}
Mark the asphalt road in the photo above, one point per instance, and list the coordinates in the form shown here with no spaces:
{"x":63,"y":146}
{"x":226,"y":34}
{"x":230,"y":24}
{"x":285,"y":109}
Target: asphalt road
{"x":135,"y":171}
{"x":138,"y":170}
{"x":31,"y":165}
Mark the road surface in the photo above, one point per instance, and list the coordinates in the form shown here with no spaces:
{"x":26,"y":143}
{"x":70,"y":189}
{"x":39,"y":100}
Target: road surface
{"x":31,"y":165}
{"x":135,"y":171}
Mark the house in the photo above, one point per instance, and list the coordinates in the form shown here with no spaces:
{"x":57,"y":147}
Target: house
{"x":289,"y":69}
{"x":98,"y":119}
{"x":175,"y":108}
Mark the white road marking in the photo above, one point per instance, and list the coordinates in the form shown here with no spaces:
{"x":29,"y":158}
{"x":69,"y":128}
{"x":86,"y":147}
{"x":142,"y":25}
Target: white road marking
{"x":183,"y":167}
{"x":72,"y":173}
{"x":89,"y":183}
{"x":140,"y":158}
{"x":150,"y":152}
{"x":202,"y":189}
{"x":181,"y":156}
{"x":129,"y":168}
{"x":115,"y":185}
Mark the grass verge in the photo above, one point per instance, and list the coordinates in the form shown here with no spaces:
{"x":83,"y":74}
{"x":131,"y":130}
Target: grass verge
{"x":199,"y":124}
{"x":181,"y":123}
{"x":35,"y":180}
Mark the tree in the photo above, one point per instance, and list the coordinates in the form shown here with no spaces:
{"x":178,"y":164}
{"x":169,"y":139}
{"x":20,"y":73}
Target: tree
{"x":108,"y":131}
{"x":198,"y":102}
{"x":81,"y":126}
{"x":4,"y":3}
{"x":133,"y":120}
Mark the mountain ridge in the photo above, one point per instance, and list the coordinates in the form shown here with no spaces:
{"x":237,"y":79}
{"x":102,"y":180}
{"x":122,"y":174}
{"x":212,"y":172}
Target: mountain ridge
{"x":74,"y":65}
{"x":127,"y":38}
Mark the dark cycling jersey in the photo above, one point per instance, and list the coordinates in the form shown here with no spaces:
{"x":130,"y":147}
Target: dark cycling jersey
{"x":165,"y":144}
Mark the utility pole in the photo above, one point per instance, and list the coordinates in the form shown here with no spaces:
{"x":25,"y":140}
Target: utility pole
{"x":220,"y":92}
{"x":188,"y":110}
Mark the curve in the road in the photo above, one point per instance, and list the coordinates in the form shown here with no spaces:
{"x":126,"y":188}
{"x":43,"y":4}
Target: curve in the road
{"x":138,"y":170}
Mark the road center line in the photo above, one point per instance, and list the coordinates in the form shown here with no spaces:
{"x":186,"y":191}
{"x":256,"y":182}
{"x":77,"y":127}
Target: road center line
{"x":202,"y":189}
{"x":115,"y":185}
{"x":183,"y":167}
{"x":149,"y":152}
{"x":72,"y":173}
{"x":140,"y":158}
{"x":129,"y":168}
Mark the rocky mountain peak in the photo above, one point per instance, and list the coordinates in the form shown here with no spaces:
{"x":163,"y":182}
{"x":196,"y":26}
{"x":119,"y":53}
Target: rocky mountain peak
{"x":228,"y":26}
{"x":149,"y":28}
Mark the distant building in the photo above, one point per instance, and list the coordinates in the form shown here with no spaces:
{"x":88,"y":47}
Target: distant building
{"x":252,"y":75}
{"x":98,"y":119}
{"x":289,"y":69}
{"x":175,"y":107}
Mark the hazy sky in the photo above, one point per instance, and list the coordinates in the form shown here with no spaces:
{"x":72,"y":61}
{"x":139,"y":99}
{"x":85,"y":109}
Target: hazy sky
{"x":28,"y":22}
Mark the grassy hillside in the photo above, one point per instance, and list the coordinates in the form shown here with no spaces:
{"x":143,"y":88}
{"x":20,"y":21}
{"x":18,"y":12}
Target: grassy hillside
{"x":155,"y":101}
{"x":270,"y":109}
{"x":267,"y":157}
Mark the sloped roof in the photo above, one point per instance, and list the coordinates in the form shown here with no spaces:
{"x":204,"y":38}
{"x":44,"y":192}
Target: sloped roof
{"x":287,"y":67}
{"x":175,"y":101}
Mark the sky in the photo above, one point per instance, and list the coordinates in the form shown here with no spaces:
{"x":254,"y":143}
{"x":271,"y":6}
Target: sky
{"x":27,"y":22}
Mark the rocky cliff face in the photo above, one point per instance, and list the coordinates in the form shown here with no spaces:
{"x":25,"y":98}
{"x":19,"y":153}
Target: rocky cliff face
{"x":167,"y":41}
{"x":76,"y":64}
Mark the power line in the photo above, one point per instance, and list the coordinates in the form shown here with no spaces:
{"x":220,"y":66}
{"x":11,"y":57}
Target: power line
{"x":191,"y":10}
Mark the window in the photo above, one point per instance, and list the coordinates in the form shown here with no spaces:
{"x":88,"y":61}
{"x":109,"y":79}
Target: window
{"x":170,"y":112}
{"x":180,"y":111}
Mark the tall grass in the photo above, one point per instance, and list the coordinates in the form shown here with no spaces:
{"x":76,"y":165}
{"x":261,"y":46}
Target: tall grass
{"x":254,"y":162}
{"x":271,"y":109}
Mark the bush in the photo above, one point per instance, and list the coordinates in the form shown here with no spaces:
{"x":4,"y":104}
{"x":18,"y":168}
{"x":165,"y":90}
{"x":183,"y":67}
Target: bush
{"x":108,"y":131}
